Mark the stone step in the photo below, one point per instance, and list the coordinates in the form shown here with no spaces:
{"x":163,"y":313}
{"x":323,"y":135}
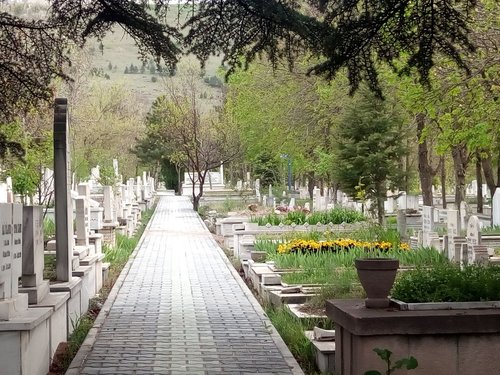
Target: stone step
{"x":89,"y":260}
{"x":277,"y":298}
{"x":81,"y":271}
{"x":325,"y":353}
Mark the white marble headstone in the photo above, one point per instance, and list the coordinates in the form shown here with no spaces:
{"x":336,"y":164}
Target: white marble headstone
{"x":473,"y":237}
{"x":496,"y":207}
{"x":5,"y":251}
{"x":453,"y":224}
{"x":427,"y":224}
{"x":82,"y":229}
{"x":17,"y":246}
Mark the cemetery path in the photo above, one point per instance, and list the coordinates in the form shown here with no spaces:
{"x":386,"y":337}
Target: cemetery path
{"x":180,"y":308}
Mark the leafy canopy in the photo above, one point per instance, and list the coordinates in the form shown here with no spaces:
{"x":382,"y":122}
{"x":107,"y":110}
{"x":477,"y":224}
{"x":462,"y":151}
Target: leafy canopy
{"x":352,"y":34}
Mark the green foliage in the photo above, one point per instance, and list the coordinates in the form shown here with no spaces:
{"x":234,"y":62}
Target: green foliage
{"x":107,"y":175}
{"x":24,"y":164}
{"x":370,"y":149}
{"x":119,"y":255}
{"x":337,"y":215}
{"x":409,"y":363}
{"x":49,"y":270}
{"x":291,"y":331}
{"x":81,"y":328}
{"x":49,"y":228}
{"x":448,"y":283}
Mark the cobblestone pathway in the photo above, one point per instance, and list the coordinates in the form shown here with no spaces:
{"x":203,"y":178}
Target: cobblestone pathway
{"x":182,"y":309}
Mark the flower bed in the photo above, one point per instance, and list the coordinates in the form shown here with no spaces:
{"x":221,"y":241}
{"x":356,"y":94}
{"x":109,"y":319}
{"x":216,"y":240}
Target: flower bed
{"x":341,"y":244}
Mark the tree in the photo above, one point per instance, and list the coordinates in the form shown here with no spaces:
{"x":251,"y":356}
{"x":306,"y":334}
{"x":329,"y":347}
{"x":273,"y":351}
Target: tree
{"x":370,"y":149}
{"x":196,"y":142}
{"x":26,"y":168}
{"x":350,"y":34}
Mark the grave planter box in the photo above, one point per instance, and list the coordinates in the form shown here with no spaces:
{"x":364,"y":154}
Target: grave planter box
{"x":445,"y":342}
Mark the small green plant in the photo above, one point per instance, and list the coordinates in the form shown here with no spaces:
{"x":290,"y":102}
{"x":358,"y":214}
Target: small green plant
{"x":448,"y":283}
{"x":408,"y":363}
{"x":49,"y":228}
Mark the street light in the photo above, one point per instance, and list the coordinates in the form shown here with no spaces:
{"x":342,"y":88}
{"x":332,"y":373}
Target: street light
{"x":286,"y":156}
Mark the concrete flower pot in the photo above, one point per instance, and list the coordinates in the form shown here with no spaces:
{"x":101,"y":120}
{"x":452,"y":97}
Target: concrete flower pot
{"x":377,"y":276}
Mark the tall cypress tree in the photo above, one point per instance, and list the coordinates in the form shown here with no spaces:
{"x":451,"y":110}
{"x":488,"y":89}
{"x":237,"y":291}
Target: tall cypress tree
{"x":370,"y":149}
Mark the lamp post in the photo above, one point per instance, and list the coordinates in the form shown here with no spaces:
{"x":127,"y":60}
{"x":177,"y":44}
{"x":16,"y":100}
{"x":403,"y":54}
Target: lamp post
{"x":289,"y":159}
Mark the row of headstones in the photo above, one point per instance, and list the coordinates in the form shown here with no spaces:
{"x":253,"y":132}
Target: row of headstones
{"x":21,"y":256}
{"x":463,"y":250}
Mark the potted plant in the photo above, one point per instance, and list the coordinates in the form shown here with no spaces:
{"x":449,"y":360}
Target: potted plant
{"x":377,"y":276}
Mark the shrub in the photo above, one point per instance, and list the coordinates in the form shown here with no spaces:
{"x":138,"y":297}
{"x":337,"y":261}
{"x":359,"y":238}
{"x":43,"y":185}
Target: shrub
{"x":449,"y":283}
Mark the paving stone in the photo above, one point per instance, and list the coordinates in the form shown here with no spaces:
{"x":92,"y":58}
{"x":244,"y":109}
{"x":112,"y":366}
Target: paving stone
{"x":181,"y":310}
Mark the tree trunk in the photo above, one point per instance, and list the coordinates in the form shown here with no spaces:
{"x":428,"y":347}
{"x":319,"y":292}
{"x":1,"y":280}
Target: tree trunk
{"x":459,"y":153}
{"x":424,"y":168}
{"x":381,"y":196}
{"x":443,"y":181}
{"x":196,"y":202}
{"x":197,"y":197}
{"x":310,"y":184}
{"x":479,"y":178}
{"x":488,"y":174}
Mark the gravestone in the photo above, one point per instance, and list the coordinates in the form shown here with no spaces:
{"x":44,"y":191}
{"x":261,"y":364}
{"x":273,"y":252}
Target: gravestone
{"x":463,"y":215}
{"x":62,"y":184}
{"x":33,"y":261}
{"x":10,"y":192}
{"x":307,"y":206}
{"x":401,"y":201}
{"x":496,"y":207}
{"x":257,"y":189}
{"x":3,"y":192}
{"x":115,"y":167}
{"x":453,"y":223}
{"x":401,"y":223}
{"x":389,"y":205}
{"x":17,"y":245}
{"x":291,"y":205}
{"x":11,"y":303}
{"x":138,"y":188}
{"x":473,"y":237}
{"x":270,"y":199}
{"x":239,"y":185}
{"x":412,"y":202}
{"x":427,"y":225}
{"x":6,"y":251}
{"x":108,"y":204}
{"x":82,"y":222}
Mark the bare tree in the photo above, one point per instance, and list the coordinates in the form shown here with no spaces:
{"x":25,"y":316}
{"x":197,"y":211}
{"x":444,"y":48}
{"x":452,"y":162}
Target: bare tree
{"x":196,"y":140}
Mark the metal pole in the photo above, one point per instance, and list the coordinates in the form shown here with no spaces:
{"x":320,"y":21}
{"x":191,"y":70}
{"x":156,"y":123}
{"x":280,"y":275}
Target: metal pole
{"x":289,"y":173}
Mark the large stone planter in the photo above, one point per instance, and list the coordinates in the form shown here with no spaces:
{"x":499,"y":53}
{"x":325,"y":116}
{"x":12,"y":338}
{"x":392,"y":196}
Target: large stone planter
{"x":377,"y":276}
{"x":445,"y":342}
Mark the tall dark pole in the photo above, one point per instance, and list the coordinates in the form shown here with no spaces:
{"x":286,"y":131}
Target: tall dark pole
{"x":289,"y":173}
{"x":62,"y":185}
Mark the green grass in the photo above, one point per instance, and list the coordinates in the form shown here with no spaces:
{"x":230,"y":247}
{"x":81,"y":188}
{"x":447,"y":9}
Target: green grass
{"x":291,"y":331}
{"x":49,"y":228}
{"x":49,"y":270}
{"x":491,"y":230}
